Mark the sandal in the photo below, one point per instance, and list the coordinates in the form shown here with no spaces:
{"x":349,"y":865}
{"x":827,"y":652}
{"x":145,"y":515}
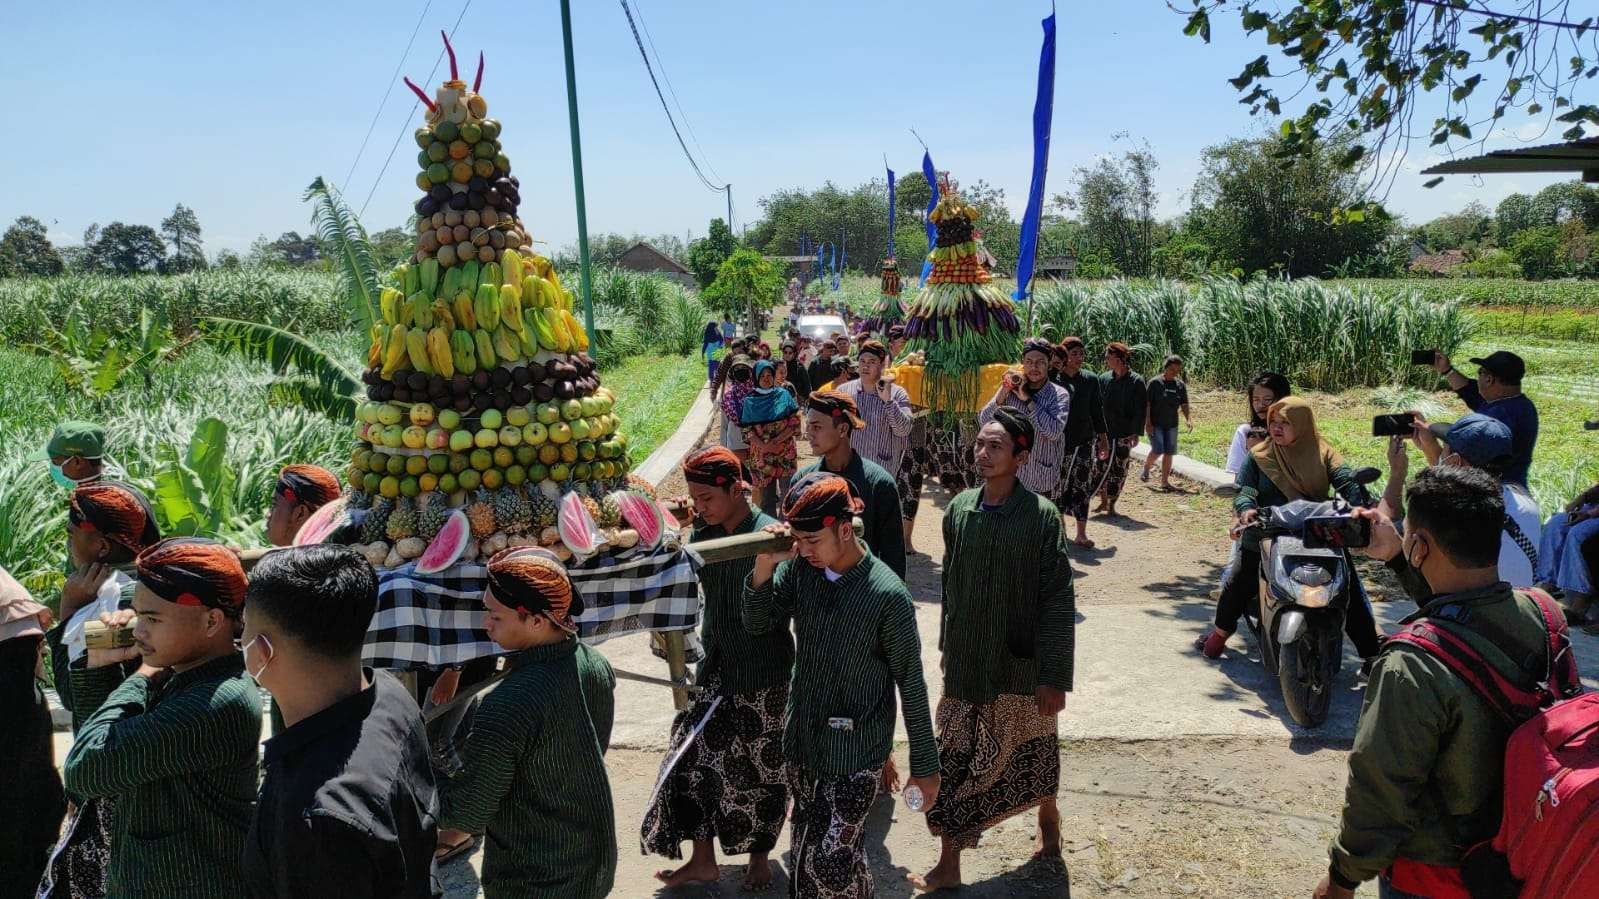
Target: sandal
{"x":455,"y":850}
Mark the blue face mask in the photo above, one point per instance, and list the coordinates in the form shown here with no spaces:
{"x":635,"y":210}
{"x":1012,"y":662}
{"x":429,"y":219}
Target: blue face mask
{"x":60,"y":477}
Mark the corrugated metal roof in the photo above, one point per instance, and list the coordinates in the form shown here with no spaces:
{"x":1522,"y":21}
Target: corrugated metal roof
{"x":1569,"y":156}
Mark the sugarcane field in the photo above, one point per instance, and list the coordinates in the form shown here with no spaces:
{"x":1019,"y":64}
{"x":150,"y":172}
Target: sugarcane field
{"x":1136,"y":450}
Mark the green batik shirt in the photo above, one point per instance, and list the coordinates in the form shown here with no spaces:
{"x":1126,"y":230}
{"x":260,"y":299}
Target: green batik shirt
{"x":1009,"y":617}
{"x":742,"y":661}
{"x":534,"y":783}
{"x":855,"y":639}
{"x":181,"y":759}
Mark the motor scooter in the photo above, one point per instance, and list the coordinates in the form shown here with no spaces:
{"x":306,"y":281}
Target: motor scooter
{"x":1304,"y":592}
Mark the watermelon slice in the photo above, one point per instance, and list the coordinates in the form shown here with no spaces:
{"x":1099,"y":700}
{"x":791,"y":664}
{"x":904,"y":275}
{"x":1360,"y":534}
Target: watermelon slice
{"x":323,"y":522}
{"x":447,"y":546}
{"x":578,"y":530}
{"x":643,"y":516}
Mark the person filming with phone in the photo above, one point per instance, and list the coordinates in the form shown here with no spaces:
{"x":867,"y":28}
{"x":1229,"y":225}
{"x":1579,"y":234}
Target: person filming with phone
{"x":1496,"y":393}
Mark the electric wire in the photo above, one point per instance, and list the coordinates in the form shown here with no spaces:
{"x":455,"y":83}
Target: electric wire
{"x":673,"y":91}
{"x":345,"y":184}
{"x":694,"y":164}
{"x":414,"y":105}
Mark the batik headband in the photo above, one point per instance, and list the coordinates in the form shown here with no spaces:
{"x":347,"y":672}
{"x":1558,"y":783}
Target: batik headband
{"x":714,"y":466}
{"x":117,"y":512}
{"x":820,"y":500}
{"x":192,"y":571}
{"x":533,"y":584}
{"x":311,"y":485}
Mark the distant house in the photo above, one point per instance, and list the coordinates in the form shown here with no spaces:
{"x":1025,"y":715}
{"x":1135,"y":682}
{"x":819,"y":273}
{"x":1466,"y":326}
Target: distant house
{"x":641,"y":257}
{"x":1437,"y":263}
{"x":1055,"y":267}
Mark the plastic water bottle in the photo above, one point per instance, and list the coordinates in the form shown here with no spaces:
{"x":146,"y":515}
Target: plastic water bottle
{"x":913,"y":797}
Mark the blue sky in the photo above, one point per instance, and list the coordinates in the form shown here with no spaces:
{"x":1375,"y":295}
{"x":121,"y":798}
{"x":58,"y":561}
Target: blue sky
{"x":233,"y":108}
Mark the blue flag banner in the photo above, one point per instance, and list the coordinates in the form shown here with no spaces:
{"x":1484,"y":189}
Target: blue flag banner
{"x":819,"y":270}
{"x":931,"y":175}
{"x":890,"y":212}
{"x":1043,"y":113}
{"x":833,"y":262}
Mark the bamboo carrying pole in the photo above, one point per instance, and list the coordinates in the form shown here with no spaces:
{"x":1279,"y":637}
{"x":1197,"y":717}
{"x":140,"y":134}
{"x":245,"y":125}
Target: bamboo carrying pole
{"x":739,"y":546}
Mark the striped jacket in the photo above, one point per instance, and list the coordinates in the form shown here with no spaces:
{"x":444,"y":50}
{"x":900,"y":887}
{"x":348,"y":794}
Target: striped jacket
{"x":888,"y":425}
{"x":535,"y":783}
{"x":1048,"y":409}
{"x":855,"y":639}
{"x":180,"y":756}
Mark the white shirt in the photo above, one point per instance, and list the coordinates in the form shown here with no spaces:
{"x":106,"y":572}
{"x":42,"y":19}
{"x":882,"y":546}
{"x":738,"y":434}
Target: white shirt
{"x":1239,"y":450}
{"x":1514,"y":566}
{"x":106,"y":601}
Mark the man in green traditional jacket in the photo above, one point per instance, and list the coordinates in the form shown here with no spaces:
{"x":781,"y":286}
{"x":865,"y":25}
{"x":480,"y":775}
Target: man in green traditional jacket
{"x":534,"y":780}
{"x":856,"y":639}
{"x":1007,"y":635}
{"x":177,"y":743}
{"x":723,"y":778}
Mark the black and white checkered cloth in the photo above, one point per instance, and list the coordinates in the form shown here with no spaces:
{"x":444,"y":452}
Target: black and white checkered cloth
{"x":436,"y":620}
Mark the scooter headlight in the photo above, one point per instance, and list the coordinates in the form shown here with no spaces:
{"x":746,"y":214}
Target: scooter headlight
{"x":1313,"y":597}
{"x":1311,"y":575}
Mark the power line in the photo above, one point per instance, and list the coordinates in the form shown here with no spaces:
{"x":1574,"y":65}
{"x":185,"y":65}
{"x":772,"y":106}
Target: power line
{"x":667,"y":109}
{"x":384,"y":102}
{"x":414,"y":104}
{"x":673,"y":91}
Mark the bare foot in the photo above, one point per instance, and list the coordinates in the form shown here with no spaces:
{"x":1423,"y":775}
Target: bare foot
{"x":691,"y":873}
{"x":758,"y":877}
{"x":944,"y":876}
{"x":1048,"y":843}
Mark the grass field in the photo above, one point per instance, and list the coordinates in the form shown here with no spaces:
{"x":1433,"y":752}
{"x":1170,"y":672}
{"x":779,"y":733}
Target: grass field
{"x":654,"y":392}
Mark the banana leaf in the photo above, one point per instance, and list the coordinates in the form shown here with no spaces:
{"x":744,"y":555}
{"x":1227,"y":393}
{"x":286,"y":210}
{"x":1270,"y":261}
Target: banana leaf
{"x":283,"y":351}
{"x":194,"y":491}
{"x":345,"y":240}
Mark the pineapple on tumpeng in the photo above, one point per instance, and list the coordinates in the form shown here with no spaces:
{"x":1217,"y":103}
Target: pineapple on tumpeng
{"x":610,"y":511}
{"x":375,"y":528}
{"x":481,"y":515}
{"x":432,"y":511}
{"x":402,"y":521}
{"x":544,"y":511}
{"x":511,"y":511}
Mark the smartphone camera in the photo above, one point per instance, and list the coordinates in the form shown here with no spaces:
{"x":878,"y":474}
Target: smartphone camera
{"x":1423,"y":357}
{"x":1398,"y":425}
{"x":1337,"y":532}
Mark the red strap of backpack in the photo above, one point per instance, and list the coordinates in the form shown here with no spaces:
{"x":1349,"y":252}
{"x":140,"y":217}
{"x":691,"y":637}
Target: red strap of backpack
{"x":1508,"y":701}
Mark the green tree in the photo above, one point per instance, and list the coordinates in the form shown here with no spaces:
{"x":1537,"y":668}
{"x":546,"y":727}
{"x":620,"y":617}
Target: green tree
{"x":911,"y":193}
{"x":706,"y":255}
{"x":1115,"y":199}
{"x":1363,"y":65}
{"x":228,"y":260}
{"x":182,"y":232}
{"x":1537,"y":251}
{"x":856,"y":219}
{"x":391,"y":246}
{"x":25,"y":249}
{"x":290,"y":250}
{"x":1298,"y":216}
{"x":1513,"y":215}
{"x":1466,"y":229}
{"x":126,"y":249}
{"x":746,"y":283}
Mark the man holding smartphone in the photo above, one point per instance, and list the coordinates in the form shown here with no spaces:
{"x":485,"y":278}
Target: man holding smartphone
{"x":1496,"y":393}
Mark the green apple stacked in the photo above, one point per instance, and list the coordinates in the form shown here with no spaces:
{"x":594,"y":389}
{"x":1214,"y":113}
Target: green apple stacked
{"x":480,"y":395}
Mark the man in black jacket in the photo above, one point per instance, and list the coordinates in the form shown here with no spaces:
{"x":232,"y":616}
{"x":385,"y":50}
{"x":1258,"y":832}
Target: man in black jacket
{"x":348,"y":807}
{"x":1087,"y":446}
{"x":1125,"y":399}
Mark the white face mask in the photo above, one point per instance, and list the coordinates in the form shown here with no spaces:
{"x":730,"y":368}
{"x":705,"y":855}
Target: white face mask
{"x":245,"y":652}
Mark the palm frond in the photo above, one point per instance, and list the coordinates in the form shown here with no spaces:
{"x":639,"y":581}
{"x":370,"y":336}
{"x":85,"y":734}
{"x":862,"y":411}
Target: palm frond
{"x":283,"y":351}
{"x":343,"y":236}
{"x":316,"y":397}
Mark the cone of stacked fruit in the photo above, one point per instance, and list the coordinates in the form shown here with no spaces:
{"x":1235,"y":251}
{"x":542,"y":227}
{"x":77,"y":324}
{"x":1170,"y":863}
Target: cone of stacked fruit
{"x":960,"y":317}
{"x":888,"y":311}
{"x":485,"y":425}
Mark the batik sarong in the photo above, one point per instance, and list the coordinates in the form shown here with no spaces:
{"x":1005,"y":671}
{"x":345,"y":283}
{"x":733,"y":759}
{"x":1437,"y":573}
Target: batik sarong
{"x":828,"y":855}
{"x":996,"y":760}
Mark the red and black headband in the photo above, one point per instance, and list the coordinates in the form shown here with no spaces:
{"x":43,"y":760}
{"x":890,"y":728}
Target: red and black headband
{"x":117,"y":512}
{"x":820,"y":500}
{"x":535,"y":585}
{"x":310,"y":485}
{"x":1019,"y":427}
{"x":837,"y":405}
{"x":193,"y":571}
{"x":714,"y":466}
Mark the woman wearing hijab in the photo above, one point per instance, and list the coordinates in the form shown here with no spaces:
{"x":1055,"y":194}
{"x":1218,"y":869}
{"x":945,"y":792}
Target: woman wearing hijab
{"x":740,"y":384}
{"x":769,"y":418}
{"x":1294,"y":462}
